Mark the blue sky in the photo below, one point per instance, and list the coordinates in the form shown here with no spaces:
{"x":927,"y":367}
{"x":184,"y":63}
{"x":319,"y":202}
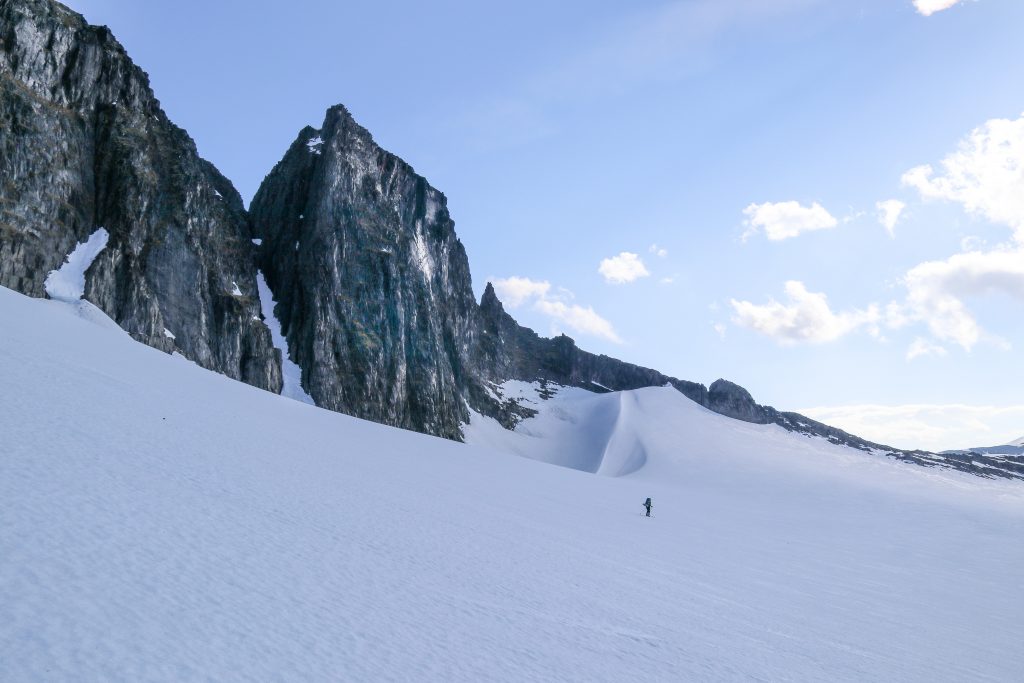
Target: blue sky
{"x":693,"y":185}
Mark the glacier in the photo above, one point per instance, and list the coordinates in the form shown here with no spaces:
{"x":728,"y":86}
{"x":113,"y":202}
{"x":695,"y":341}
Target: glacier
{"x":162,"y":522}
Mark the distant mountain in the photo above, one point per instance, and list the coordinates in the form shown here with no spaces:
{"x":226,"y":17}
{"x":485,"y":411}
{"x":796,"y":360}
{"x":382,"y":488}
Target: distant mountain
{"x":372,"y":286}
{"x":1012,"y":448}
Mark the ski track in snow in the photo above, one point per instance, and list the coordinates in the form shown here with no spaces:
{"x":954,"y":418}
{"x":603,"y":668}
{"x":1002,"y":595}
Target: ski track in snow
{"x":148,"y":535}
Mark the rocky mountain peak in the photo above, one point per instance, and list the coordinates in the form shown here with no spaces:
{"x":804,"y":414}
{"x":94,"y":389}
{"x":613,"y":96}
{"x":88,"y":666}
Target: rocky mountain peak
{"x":373,"y":286}
{"x":85,"y":146}
{"x":490,"y":301}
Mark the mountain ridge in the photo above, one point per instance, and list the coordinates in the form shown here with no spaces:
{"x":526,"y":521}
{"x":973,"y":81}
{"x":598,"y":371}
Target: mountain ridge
{"x":373,"y":287}
{"x":86,"y":145}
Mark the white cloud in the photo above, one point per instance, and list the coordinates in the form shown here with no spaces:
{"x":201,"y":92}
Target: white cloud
{"x":889,"y":213}
{"x":806,"y":318}
{"x":922,"y":347}
{"x":985,"y":175}
{"x":517,"y":291}
{"x":927,"y":426}
{"x":719,"y":329}
{"x":626,"y":267}
{"x":896,"y":316}
{"x":973,"y":243}
{"x":936,"y":290}
{"x":930,"y":7}
{"x":782,"y":220}
{"x":579,"y":318}
{"x":660,"y":252}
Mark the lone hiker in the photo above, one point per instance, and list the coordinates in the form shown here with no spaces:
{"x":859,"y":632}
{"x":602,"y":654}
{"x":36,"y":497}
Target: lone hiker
{"x":647,"y":504}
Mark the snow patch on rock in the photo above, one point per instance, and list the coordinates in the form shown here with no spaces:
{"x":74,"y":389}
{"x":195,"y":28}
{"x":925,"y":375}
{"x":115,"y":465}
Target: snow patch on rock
{"x":421,"y":254}
{"x":290,"y":371}
{"x":67,"y":283}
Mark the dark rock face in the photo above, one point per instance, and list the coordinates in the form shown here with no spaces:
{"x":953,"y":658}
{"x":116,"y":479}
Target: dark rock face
{"x":83,"y":145}
{"x":375,"y":296}
{"x":734,"y":401}
{"x":373,"y":286}
{"x":509,"y":351}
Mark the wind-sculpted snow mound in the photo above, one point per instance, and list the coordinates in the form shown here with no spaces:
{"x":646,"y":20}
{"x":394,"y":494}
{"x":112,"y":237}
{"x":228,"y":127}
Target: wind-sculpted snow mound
{"x":159,"y":522}
{"x":657,"y":434}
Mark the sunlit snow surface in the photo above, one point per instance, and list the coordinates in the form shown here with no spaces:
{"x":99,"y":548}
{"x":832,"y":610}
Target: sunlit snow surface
{"x":160,"y":522}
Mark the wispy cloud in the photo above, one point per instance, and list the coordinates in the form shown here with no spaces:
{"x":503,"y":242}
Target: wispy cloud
{"x":783,"y":220}
{"x":515,"y":292}
{"x":933,"y":427}
{"x":922,"y":347}
{"x":666,"y":43}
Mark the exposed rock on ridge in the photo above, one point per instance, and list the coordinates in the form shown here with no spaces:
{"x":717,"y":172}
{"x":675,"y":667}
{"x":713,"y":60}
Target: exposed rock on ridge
{"x":83,"y":145}
{"x":508,"y":350}
{"x":375,"y":297}
{"x":373,"y":286}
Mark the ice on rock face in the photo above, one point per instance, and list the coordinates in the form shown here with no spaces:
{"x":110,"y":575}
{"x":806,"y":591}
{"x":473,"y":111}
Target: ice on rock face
{"x":168,"y":334}
{"x":235,"y":291}
{"x":430,"y":213}
{"x":315,"y":145}
{"x":421,"y":254}
{"x":291,"y":373}
{"x":257,"y":241}
{"x":67,"y":283}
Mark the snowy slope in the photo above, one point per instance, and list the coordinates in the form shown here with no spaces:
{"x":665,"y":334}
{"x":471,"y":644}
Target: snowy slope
{"x":657,"y":434}
{"x":160,"y":522}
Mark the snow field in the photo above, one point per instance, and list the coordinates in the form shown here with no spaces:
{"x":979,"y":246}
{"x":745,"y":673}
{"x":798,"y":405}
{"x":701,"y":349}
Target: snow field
{"x":162,"y":523}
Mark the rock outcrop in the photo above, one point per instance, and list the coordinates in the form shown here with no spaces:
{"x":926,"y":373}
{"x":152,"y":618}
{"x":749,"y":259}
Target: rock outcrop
{"x":508,"y":350}
{"x":373,"y":286}
{"x":734,"y":401}
{"x":84,"y":144}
